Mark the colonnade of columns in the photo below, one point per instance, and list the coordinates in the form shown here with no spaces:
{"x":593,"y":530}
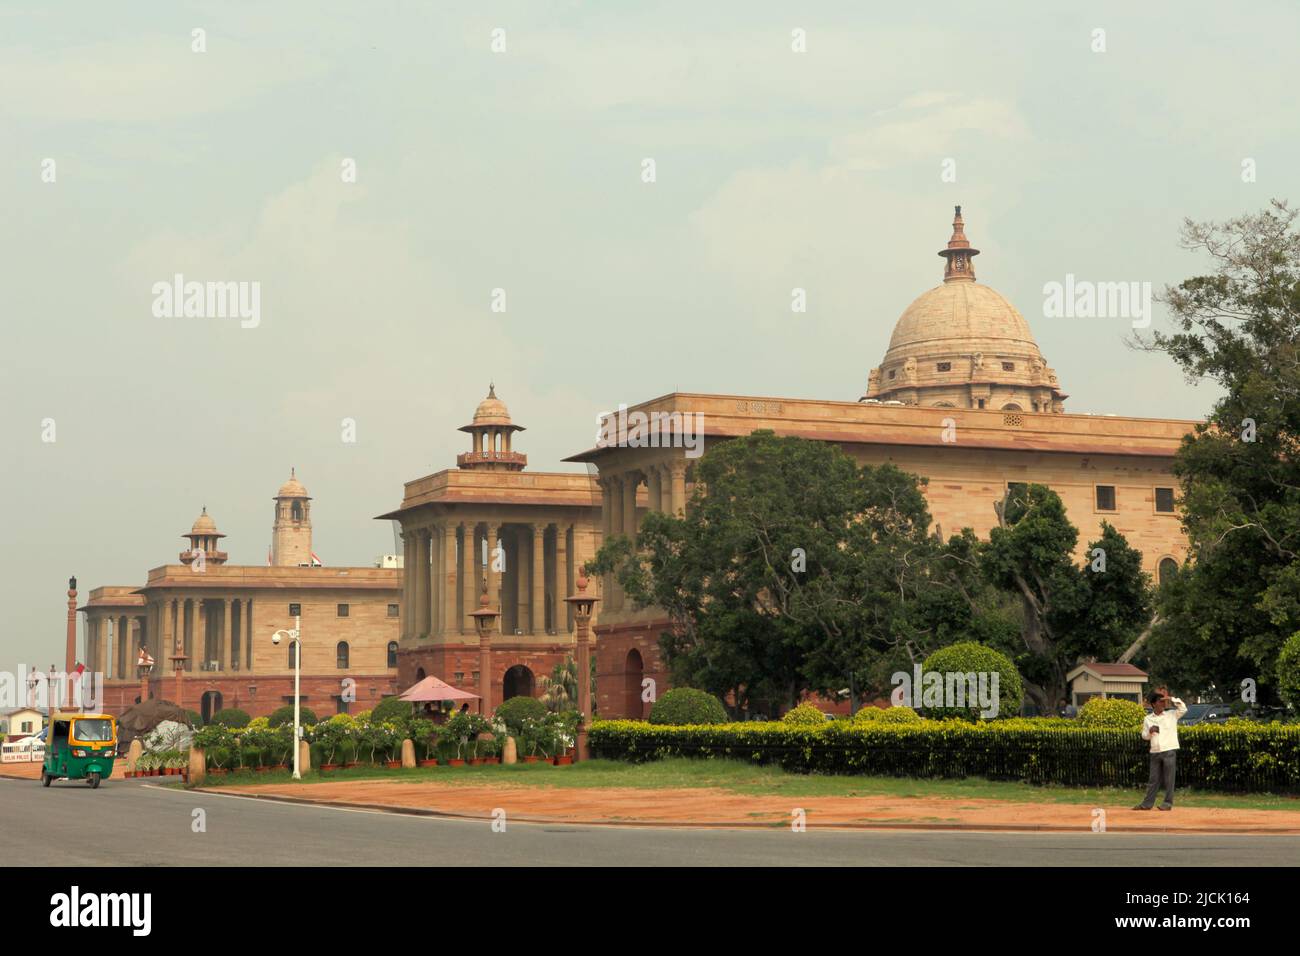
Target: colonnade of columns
{"x":214,"y":631}
{"x":665,"y":484}
{"x":529,"y":567}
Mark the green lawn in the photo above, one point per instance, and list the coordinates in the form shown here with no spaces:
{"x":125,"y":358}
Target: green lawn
{"x":740,"y":777}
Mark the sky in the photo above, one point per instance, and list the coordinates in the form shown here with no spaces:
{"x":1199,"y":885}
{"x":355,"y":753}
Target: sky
{"x":503,"y":146}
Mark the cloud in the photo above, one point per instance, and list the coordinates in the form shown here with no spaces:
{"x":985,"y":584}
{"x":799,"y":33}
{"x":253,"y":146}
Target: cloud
{"x":146,"y":79}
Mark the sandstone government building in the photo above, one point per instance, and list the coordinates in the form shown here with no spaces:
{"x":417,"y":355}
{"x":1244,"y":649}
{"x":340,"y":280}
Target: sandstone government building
{"x":960,"y":355}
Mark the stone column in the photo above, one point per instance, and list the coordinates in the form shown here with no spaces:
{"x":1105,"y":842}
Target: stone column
{"x":422,"y":583}
{"x":166,"y":637}
{"x":408,"y":587}
{"x":537,"y":606}
{"x":468,"y":586}
{"x":227,"y":622}
{"x":630,"y":483}
{"x":562,"y":580}
{"x":435,"y":591}
{"x":248,"y":643}
{"x":200,"y":637}
{"x":607,"y":529}
{"x":678,"y":495}
{"x":523,"y":613}
{"x":449,"y":579}
{"x":494,"y":559}
{"x":654,"y":487}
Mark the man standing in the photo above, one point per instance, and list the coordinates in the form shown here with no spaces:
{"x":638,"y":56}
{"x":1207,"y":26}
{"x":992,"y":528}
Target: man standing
{"x":1160,"y":727}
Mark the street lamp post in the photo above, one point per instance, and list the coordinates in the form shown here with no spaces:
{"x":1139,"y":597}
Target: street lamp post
{"x":583,"y":604}
{"x":294,"y":635}
{"x":484,"y":618}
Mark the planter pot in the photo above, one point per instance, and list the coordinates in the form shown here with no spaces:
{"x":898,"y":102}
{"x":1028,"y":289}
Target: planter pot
{"x":327,"y":767}
{"x":263,"y":769}
{"x":563,"y":761}
{"x":352,"y":763}
{"x":491,"y":760}
{"x":217,"y":771}
{"x":530,"y":759}
{"x":476,"y":761}
{"x":129,"y":774}
{"x":455,"y":763}
{"x":394,"y":765}
{"x":430,"y":762}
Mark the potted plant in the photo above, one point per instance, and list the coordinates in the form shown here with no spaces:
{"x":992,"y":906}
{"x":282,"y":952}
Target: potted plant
{"x":423,"y":734}
{"x":392,"y":736}
{"x":463,"y":729}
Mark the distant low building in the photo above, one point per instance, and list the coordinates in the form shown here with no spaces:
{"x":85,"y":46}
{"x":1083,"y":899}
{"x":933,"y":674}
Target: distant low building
{"x":1106,"y":680}
{"x":217,"y":619}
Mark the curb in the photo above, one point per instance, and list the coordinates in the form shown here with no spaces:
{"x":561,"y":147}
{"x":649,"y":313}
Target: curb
{"x":751,"y":824}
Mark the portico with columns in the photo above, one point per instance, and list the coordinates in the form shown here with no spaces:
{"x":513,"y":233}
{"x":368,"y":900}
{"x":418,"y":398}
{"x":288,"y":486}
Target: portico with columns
{"x":526,"y":534}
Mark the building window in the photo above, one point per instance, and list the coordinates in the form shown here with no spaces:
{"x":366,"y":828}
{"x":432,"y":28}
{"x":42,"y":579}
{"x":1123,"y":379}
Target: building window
{"x":1165,"y":500}
{"x":1008,"y":366}
{"x":394,"y":610}
{"x":295,"y":610}
{"x":341,"y":704}
{"x":1105,"y":497}
{"x":341,"y":651}
{"x":392,"y":653}
{"x":1167,"y":568}
{"x":474,"y":676}
{"x":981,"y":403}
{"x":293,"y":649}
{"x":343,"y":610}
{"x":458,"y":676}
{"x":943,"y":367}
{"x":892,"y":373}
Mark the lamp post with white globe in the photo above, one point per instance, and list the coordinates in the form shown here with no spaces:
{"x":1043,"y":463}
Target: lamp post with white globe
{"x":294,"y":636}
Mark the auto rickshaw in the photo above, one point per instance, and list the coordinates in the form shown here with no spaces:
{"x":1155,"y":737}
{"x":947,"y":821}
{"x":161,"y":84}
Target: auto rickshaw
{"x":79,"y":747}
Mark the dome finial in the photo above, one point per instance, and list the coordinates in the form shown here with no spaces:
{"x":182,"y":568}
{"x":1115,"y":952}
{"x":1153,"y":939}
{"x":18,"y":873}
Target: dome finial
{"x":959,"y":252}
{"x":492,"y":390}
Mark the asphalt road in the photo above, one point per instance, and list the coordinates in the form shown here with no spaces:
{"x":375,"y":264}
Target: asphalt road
{"x":134,"y":823}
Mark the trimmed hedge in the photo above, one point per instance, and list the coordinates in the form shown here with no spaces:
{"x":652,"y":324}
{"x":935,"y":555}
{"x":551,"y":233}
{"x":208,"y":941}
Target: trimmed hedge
{"x":284,"y":715}
{"x":1253,"y":758}
{"x":1111,"y":712}
{"x":686,"y":705}
{"x":516,"y":710}
{"x":803,"y":714}
{"x":231,"y":717}
{"x":391,"y":708}
{"x":968,"y":657}
{"x":887,"y":715}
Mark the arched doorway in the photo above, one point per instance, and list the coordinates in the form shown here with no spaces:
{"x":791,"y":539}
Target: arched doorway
{"x":420,"y":674}
{"x":210,"y":704}
{"x":633,"y":670}
{"x":518,"y":682}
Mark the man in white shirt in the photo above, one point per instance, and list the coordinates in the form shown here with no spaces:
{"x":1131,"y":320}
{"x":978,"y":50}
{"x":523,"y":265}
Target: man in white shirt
{"x":1160,"y":727}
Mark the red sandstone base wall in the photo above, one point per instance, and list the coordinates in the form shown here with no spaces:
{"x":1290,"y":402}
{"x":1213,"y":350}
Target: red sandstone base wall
{"x":626,"y":655}
{"x":257,"y":695}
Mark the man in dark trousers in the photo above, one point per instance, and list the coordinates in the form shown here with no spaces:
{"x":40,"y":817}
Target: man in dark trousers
{"x":1160,"y":727}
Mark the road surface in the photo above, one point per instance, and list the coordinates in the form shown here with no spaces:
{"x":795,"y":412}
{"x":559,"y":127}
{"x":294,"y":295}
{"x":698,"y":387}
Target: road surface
{"x":138,"y":823}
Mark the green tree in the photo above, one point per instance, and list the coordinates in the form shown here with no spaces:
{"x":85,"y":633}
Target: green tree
{"x":1070,"y":612}
{"x":795,"y":571}
{"x":1237,"y":601}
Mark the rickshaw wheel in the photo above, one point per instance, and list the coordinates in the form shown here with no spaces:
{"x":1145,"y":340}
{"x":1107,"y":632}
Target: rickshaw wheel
{"x":45,"y":779}
{"x":94,"y":780}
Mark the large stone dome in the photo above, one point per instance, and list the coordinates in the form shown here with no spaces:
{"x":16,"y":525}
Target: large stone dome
{"x":962,"y":345}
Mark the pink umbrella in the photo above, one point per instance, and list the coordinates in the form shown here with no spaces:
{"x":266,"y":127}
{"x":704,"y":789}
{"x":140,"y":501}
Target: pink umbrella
{"x":431,"y":688}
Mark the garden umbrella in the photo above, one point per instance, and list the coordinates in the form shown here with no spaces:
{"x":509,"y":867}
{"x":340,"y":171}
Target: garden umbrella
{"x":431,"y":688}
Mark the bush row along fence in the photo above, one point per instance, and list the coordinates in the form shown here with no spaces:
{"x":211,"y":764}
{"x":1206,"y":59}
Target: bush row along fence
{"x":1259,"y":759}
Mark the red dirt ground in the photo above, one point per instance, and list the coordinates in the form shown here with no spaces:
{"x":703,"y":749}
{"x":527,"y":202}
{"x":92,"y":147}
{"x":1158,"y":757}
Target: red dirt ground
{"x":715,"y":807}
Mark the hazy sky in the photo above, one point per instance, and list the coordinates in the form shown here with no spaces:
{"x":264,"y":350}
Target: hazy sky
{"x":521,"y":170}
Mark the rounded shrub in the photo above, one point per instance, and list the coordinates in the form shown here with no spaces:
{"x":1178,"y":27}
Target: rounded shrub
{"x":1111,"y":713}
{"x":284,"y":715}
{"x":969,"y":658}
{"x":887,"y":715}
{"x":231,"y":717}
{"x":516,"y":710}
{"x":686,"y":705}
{"x":390,"y":708}
{"x":1288,"y":671}
{"x":804,"y":714}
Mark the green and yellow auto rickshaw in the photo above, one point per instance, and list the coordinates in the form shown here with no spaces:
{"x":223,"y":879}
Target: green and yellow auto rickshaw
{"x":79,"y":747}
